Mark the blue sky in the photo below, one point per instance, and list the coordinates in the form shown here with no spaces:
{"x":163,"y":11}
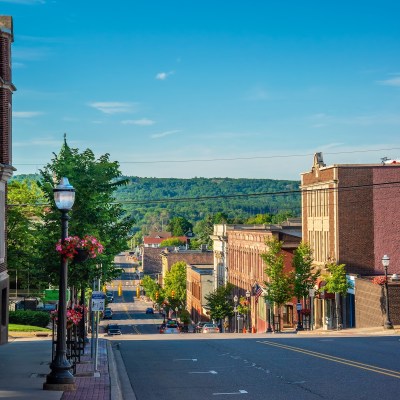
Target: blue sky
{"x":255,"y":86}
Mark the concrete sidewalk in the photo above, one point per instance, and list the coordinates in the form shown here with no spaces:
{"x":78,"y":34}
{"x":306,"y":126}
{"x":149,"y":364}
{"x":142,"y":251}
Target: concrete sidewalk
{"x":24,"y":364}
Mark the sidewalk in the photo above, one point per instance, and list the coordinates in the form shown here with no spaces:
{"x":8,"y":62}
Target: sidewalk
{"x":24,"y":364}
{"x":375,"y":331}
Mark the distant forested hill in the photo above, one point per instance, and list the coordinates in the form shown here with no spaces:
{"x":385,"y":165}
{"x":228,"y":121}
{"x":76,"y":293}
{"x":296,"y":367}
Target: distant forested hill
{"x":153,"y":201}
{"x":158,"y":196}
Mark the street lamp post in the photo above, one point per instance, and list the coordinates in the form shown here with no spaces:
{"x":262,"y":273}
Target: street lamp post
{"x":235,"y":300}
{"x":60,"y":377}
{"x":385,"y":263}
{"x":268,"y":307}
{"x":311,"y":293}
{"x":176,"y":312}
{"x":248,"y":294}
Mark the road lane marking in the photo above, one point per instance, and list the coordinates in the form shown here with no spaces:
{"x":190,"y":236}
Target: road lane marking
{"x":204,"y":372}
{"x":241,"y":391}
{"x":351,"y":363}
{"x":186,"y":359}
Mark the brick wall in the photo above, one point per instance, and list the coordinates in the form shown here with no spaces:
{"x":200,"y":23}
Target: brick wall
{"x":370,"y":303}
{"x":151,"y":260}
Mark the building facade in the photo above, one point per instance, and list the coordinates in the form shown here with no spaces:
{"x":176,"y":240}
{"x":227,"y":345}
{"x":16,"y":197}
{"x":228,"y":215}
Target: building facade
{"x":245,"y":267}
{"x":200,"y":283}
{"x":349,"y":214}
{"x":6,"y":169}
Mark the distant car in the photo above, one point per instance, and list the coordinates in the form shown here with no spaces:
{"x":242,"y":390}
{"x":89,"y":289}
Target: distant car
{"x":170,"y":327}
{"x":113,"y":330}
{"x":199,"y":326}
{"x":108,"y":313}
{"x":210,"y":328}
{"x":149,"y":310}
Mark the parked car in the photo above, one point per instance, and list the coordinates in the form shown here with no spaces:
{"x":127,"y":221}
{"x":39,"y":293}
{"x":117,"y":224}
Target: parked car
{"x":210,"y":328}
{"x":149,"y":310}
{"x":113,"y":330}
{"x":199,"y":326}
{"x":108,"y":313}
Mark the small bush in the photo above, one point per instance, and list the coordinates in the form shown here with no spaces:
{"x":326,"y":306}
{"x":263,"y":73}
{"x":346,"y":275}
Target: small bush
{"x":29,"y":317}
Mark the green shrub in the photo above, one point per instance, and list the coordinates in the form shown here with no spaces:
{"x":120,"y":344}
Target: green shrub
{"x":29,"y":317}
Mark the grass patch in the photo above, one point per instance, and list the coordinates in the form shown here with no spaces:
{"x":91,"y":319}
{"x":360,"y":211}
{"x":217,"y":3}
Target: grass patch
{"x":26,"y":328}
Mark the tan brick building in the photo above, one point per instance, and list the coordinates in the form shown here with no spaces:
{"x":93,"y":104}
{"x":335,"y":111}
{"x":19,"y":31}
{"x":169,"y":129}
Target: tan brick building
{"x":6,"y":169}
{"x":200,"y":283}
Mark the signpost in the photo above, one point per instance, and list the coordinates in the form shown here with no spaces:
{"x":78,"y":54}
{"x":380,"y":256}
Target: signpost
{"x":97,"y":304}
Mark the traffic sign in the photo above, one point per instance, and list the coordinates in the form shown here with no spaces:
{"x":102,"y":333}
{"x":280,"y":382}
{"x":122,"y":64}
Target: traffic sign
{"x":98,"y":301}
{"x":299,"y":307}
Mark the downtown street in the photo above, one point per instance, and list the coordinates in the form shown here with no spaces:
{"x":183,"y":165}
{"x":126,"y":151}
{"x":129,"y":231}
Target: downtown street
{"x":252,"y":366}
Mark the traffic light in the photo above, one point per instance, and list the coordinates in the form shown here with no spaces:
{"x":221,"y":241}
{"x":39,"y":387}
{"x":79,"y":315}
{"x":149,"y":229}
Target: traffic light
{"x":173,"y":294}
{"x":157,"y":295}
{"x":119,"y":290}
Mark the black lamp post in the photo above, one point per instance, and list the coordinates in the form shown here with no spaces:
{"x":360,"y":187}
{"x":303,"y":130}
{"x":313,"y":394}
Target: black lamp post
{"x":60,"y":377}
{"x":385,"y":263}
{"x":268,"y":307}
{"x":235,"y":300}
{"x":248,"y":295}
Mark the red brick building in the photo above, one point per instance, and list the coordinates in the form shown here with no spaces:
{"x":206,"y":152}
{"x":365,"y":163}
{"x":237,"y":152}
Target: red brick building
{"x":350,"y":213}
{"x":245,"y":245}
{"x":6,"y":169}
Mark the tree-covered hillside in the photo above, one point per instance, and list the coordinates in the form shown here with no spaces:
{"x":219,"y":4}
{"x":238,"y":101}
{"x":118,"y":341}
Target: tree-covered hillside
{"x":149,"y":198}
{"x":152,"y":202}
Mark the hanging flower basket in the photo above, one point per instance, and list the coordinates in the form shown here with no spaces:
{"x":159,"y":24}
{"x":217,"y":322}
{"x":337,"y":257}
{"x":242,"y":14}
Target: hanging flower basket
{"x":81,"y":256}
{"x":74,"y":316}
{"x":379,"y":280}
{"x":88,"y":247}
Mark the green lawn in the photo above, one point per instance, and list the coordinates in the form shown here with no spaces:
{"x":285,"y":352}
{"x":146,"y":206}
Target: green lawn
{"x":26,"y":328}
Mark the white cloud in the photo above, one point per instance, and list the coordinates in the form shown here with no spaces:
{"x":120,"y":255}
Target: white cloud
{"x":391,"y":82}
{"x":322,"y":119}
{"x":140,"y":122}
{"x":258,"y":94}
{"x":113,"y":107}
{"x":163,"y":134}
{"x":30,"y":54}
{"x":26,"y":114}
{"x":162,"y":76}
{"x":38,"y":142}
{"x":18,"y":65}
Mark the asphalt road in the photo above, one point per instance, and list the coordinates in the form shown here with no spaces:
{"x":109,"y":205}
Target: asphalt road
{"x":295,"y":368}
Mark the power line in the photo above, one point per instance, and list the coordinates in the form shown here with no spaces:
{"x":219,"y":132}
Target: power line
{"x":232,"y":196}
{"x":241,"y":158}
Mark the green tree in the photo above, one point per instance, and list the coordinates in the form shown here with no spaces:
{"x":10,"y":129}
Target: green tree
{"x":94,"y":212}
{"x":179,"y":226}
{"x":304,"y":276}
{"x":219,"y":302}
{"x":337,"y":283}
{"x":175,"y":284}
{"x":24,"y":213}
{"x":151,"y":287}
{"x":279,"y":286}
{"x":260,"y":219}
{"x":172,"y":242}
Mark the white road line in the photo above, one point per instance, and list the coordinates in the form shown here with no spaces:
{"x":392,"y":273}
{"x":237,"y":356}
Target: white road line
{"x":229,"y":394}
{"x":204,"y":372}
{"x":186,"y":359}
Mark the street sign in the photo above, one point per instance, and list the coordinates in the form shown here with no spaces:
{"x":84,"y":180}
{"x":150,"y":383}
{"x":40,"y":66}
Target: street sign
{"x":299,"y":307}
{"x":98,"y":301}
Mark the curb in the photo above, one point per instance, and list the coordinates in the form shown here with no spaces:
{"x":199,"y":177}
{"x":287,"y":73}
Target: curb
{"x":121,"y":388}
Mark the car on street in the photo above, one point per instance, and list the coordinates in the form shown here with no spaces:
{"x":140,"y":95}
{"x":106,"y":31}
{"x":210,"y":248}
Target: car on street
{"x":199,"y":326}
{"x":149,"y":310}
{"x":210,"y":328}
{"x":113,"y":329}
{"x":108,"y":313}
{"x":170,"y":327}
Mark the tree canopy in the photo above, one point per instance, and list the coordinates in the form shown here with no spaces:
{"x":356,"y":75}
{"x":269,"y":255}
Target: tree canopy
{"x":219,"y":302}
{"x":279,"y":283}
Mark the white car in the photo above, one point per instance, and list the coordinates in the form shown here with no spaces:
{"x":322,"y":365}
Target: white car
{"x":210,"y":328}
